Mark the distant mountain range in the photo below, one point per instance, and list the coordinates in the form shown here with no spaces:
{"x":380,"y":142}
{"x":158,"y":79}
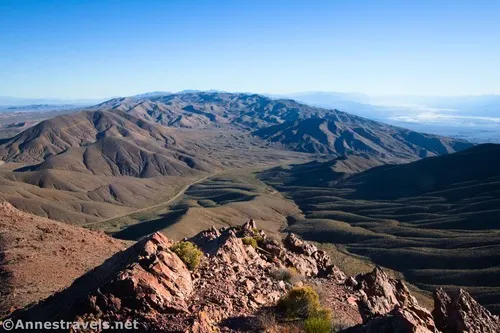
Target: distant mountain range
{"x":475,"y":118}
{"x":284,"y":121}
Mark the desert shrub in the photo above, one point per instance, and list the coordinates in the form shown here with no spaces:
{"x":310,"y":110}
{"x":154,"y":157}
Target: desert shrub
{"x":289,"y":275}
{"x":290,"y":328}
{"x":260,"y":240}
{"x":266,"y":322}
{"x":281,"y":274}
{"x":250,"y":241}
{"x":300,"y":302}
{"x":317,"y":325}
{"x":189,"y":253}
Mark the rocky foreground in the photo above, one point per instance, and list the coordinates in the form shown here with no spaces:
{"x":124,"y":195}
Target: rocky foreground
{"x":236,"y":287}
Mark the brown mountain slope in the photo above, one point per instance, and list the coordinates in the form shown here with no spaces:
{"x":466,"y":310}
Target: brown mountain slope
{"x":297,"y":126}
{"x":212,"y":109}
{"x":94,"y":165}
{"x":342,"y":134}
{"x":105,"y":143}
{"x":454,"y":176}
{"x":79,"y":198}
{"x":39,"y":257}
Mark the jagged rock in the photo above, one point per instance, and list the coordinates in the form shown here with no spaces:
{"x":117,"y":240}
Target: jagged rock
{"x":233,"y":250}
{"x":400,"y":320}
{"x":203,"y":324}
{"x":146,"y":282}
{"x":158,"y":280}
{"x":249,"y":226}
{"x":380,"y":294}
{"x":333,"y":272}
{"x":322,"y":258}
{"x":351,"y":282}
{"x":233,"y":283}
{"x":305,"y":257}
{"x":461,"y":313}
{"x":295,"y":244}
{"x":305,"y":265}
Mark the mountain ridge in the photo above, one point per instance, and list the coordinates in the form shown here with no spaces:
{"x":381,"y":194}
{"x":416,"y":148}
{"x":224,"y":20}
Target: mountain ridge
{"x":294,"y":125}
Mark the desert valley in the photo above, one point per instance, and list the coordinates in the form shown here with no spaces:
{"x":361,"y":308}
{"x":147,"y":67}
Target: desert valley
{"x":371,"y":217}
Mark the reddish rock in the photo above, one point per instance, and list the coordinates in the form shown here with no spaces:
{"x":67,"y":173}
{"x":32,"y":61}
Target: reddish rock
{"x":203,"y":324}
{"x":295,"y":244}
{"x":380,"y":294}
{"x":234,"y":283}
{"x":147,"y":283}
{"x":333,"y":272}
{"x":249,"y":226}
{"x":400,"y":320}
{"x":459,"y":312}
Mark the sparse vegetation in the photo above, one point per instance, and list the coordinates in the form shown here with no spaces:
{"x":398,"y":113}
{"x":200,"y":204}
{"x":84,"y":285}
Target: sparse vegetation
{"x":189,"y":253}
{"x":303,"y":303}
{"x":250,"y":241}
{"x":259,"y":239}
{"x":266,"y":321}
{"x":300,"y":302}
{"x":289,"y":274}
{"x":317,"y":324}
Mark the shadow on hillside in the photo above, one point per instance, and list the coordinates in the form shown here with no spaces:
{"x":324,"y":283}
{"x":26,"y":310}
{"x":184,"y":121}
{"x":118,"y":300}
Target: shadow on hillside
{"x":139,"y":230}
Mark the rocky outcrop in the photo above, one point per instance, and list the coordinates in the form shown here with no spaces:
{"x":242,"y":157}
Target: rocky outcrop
{"x":147,"y":283}
{"x":387,"y":306}
{"x":400,"y":320}
{"x":380,"y":294}
{"x":295,"y":244}
{"x":157,"y":281}
{"x":303,"y":256}
{"x":459,"y":312}
{"x":235,"y":283}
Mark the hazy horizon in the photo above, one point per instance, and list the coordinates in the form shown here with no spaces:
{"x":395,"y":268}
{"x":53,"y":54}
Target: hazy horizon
{"x":293,"y":93}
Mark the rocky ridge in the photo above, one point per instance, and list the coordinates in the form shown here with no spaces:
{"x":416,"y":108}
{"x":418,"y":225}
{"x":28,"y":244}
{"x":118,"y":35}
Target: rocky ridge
{"x":236,"y":285}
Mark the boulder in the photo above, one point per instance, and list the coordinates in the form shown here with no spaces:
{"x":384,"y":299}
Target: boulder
{"x":380,"y":294}
{"x":295,"y":244}
{"x":400,"y":320}
{"x":146,"y":282}
{"x":459,"y":312}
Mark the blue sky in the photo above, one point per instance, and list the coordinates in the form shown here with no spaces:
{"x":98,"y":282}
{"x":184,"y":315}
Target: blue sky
{"x":97,"y":49}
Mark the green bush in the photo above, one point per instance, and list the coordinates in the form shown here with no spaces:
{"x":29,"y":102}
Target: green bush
{"x":250,"y":241}
{"x":189,"y":253}
{"x":300,"y":302}
{"x":317,"y":325}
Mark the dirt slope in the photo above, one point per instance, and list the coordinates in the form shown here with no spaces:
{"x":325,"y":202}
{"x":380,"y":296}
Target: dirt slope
{"x":39,"y":256}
